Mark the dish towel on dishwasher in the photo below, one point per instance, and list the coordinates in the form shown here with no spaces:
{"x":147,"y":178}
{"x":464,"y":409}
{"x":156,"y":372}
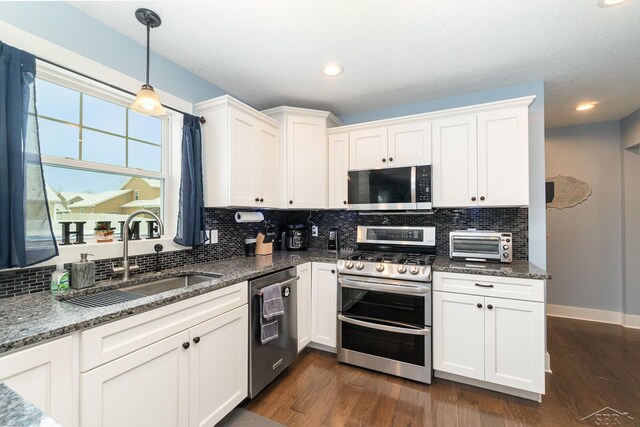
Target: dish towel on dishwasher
{"x":272,"y":306}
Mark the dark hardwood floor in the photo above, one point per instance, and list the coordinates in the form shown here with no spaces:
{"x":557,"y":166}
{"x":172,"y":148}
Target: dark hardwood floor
{"x":594,"y":365}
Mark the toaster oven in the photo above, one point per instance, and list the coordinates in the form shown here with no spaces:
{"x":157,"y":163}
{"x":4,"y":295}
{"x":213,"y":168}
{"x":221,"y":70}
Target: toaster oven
{"x":486,"y":246}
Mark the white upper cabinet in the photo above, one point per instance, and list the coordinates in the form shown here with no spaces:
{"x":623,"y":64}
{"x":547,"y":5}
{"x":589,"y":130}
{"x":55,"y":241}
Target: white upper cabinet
{"x":304,"y":152}
{"x":240,"y":155}
{"x":455,"y":159}
{"x":482,"y":159}
{"x":368,"y":149}
{"x":503,"y":157}
{"x":338,"y":170}
{"x":409,"y":144}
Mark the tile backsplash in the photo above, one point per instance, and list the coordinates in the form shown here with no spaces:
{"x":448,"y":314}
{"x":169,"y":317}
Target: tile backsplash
{"x":231,"y":237}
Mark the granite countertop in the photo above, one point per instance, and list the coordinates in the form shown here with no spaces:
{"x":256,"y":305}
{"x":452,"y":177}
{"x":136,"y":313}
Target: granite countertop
{"x":518,"y":269}
{"x":16,"y":411}
{"x":29,"y":319}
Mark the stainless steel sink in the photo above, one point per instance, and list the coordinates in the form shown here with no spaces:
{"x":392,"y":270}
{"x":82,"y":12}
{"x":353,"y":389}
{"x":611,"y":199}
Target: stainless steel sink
{"x":103,"y":299}
{"x":164,"y":285}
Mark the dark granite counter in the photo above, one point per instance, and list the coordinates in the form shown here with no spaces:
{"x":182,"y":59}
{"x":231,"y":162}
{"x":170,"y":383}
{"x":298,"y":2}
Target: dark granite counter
{"x":29,"y":319}
{"x":16,"y":411}
{"x":518,"y":269}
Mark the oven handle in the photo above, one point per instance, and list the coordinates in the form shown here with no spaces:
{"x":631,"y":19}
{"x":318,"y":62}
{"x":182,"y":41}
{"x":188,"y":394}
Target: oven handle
{"x":386,"y":328}
{"x":418,"y":291}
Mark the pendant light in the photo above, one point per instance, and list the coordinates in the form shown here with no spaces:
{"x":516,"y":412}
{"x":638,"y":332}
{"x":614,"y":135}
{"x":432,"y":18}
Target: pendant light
{"x":147,"y":101}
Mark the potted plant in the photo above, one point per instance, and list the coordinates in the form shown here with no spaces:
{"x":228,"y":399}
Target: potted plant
{"x":103,"y":231}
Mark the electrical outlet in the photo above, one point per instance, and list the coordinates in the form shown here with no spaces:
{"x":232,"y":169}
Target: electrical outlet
{"x":211,"y":237}
{"x":314,"y":230}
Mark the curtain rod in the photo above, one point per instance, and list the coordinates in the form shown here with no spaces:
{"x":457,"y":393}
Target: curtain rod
{"x":201,"y":119}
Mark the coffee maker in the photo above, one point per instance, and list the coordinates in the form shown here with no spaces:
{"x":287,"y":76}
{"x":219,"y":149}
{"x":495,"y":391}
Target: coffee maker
{"x":334,"y":239}
{"x":296,"y":237}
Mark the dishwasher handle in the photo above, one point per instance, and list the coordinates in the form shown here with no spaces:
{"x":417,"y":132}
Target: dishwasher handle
{"x":286,"y":282}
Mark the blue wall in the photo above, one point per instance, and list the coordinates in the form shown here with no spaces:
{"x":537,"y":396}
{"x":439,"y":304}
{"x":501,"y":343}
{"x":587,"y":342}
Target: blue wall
{"x":72,"y":29}
{"x":537,"y":214}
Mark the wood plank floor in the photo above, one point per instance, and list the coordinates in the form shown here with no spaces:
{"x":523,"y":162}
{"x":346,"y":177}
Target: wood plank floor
{"x":594,"y":365}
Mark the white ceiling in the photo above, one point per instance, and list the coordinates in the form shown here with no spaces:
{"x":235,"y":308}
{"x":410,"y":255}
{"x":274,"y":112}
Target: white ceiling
{"x":396,"y":52}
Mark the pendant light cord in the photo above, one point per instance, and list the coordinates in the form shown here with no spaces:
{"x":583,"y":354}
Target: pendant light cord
{"x":148,"y":49}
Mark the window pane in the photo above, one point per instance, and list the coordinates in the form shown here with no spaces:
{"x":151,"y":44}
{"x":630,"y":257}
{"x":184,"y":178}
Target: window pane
{"x":56,"y":101}
{"x":78,"y":195}
{"x":147,"y":128}
{"x":145,"y":156}
{"x":102,"y":148}
{"x":103,"y":115}
{"x":58,"y":139}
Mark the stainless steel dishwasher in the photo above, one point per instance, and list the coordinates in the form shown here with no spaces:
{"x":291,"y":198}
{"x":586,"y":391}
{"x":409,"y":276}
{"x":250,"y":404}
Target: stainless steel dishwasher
{"x":267,"y":361}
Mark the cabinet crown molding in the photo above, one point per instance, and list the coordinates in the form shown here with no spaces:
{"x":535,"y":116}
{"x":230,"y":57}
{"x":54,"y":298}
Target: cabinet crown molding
{"x":524,"y":101}
{"x":229,"y":101}
{"x":327,"y":115}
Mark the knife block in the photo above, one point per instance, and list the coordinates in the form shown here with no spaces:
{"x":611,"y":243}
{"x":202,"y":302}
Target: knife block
{"x":263,"y":248}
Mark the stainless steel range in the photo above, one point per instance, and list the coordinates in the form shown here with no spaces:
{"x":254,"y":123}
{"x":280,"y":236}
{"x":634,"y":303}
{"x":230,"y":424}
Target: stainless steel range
{"x":384,"y":301}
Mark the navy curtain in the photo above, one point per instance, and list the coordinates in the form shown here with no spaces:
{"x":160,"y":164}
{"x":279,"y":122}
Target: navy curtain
{"x":26,"y":234}
{"x":191,"y":209}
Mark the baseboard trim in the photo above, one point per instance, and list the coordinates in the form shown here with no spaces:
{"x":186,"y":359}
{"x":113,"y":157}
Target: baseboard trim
{"x":489,"y":386}
{"x":322,"y":347}
{"x":594,"y":315}
{"x":547,"y":362}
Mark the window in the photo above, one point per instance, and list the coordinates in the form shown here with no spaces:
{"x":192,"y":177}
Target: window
{"x":101,"y":160}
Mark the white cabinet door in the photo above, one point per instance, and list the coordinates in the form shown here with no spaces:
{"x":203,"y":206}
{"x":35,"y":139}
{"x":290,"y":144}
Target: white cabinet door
{"x":368,"y":149}
{"x":338,"y":170}
{"x":304,"y":305}
{"x":266,"y":178}
{"x":243,"y":135}
{"x":503,"y":158}
{"x":514,"y":343}
{"x":324,"y":303}
{"x":455,"y":162}
{"x":148,"y":387}
{"x":218,"y":366}
{"x":43,"y":375}
{"x":307,"y":180}
{"x":409,"y":144}
{"x":458,"y":334}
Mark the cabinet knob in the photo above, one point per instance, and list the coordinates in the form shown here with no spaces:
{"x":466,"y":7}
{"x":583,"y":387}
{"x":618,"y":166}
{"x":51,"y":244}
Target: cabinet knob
{"x":196,"y":340}
{"x":490,"y":307}
{"x":257,"y":199}
{"x":261,"y":199}
{"x":384,"y":160}
{"x":479,"y":305}
{"x":345,"y":202}
{"x":290,"y":202}
{"x":473,"y":199}
{"x":391,"y":159}
{"x":481,"y":197}
{"x":333,"y":271}
{"x":185,"y":345}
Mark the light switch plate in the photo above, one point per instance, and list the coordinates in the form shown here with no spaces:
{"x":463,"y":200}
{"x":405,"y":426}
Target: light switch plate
{"x":314,"y":230}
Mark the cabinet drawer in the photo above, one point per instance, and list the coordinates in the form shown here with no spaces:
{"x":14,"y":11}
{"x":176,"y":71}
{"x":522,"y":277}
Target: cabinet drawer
{"x":492,"y":286}
{"x":108,"y":342}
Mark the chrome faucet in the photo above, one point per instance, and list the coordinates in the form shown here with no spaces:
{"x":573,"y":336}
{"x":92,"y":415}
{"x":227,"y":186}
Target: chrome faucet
{"x":125,"y":268}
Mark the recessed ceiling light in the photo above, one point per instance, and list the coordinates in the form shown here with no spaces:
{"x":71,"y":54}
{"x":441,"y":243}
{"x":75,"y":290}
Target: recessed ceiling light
{"x":610,"y":3}
{"x":586,"y":106}
{"x":332,"y":70}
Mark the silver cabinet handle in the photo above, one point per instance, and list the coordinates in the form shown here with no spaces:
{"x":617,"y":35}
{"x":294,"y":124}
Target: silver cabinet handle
{"x":484,"y":286}
{"x":397,"y":330}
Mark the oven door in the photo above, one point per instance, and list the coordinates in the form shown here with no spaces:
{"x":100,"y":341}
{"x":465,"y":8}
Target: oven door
{"x":382,"y":189}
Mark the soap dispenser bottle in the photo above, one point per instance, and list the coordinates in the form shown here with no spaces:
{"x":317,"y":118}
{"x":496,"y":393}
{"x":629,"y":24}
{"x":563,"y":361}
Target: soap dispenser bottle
{"x":83,"y":273}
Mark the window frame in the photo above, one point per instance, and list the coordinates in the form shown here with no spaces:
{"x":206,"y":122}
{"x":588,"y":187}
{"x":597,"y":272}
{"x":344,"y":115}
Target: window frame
{"x":169,"y":174}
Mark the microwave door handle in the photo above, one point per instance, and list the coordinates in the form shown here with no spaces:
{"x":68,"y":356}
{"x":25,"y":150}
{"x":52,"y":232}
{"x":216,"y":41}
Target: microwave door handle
{"x":418,"y":291}
{"x":413,"y":184}
{"x":395,"y":329}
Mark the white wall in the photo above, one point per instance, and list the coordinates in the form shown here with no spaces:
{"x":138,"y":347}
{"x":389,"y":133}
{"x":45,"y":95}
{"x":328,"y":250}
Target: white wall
{"x":584,"y":250}
{"x":630,"y":136}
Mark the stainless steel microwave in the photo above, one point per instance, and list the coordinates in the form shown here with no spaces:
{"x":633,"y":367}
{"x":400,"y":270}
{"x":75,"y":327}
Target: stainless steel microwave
{"x":471,"y":245}
{"x":402,"y":188}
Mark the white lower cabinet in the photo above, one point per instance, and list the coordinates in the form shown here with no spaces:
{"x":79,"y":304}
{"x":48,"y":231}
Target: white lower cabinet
{"x":324,"y":303}
{"x":499,"y":341}
{"x":43,"y":375}
{"x":304,"y":305}
{"x":193,"y":377}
